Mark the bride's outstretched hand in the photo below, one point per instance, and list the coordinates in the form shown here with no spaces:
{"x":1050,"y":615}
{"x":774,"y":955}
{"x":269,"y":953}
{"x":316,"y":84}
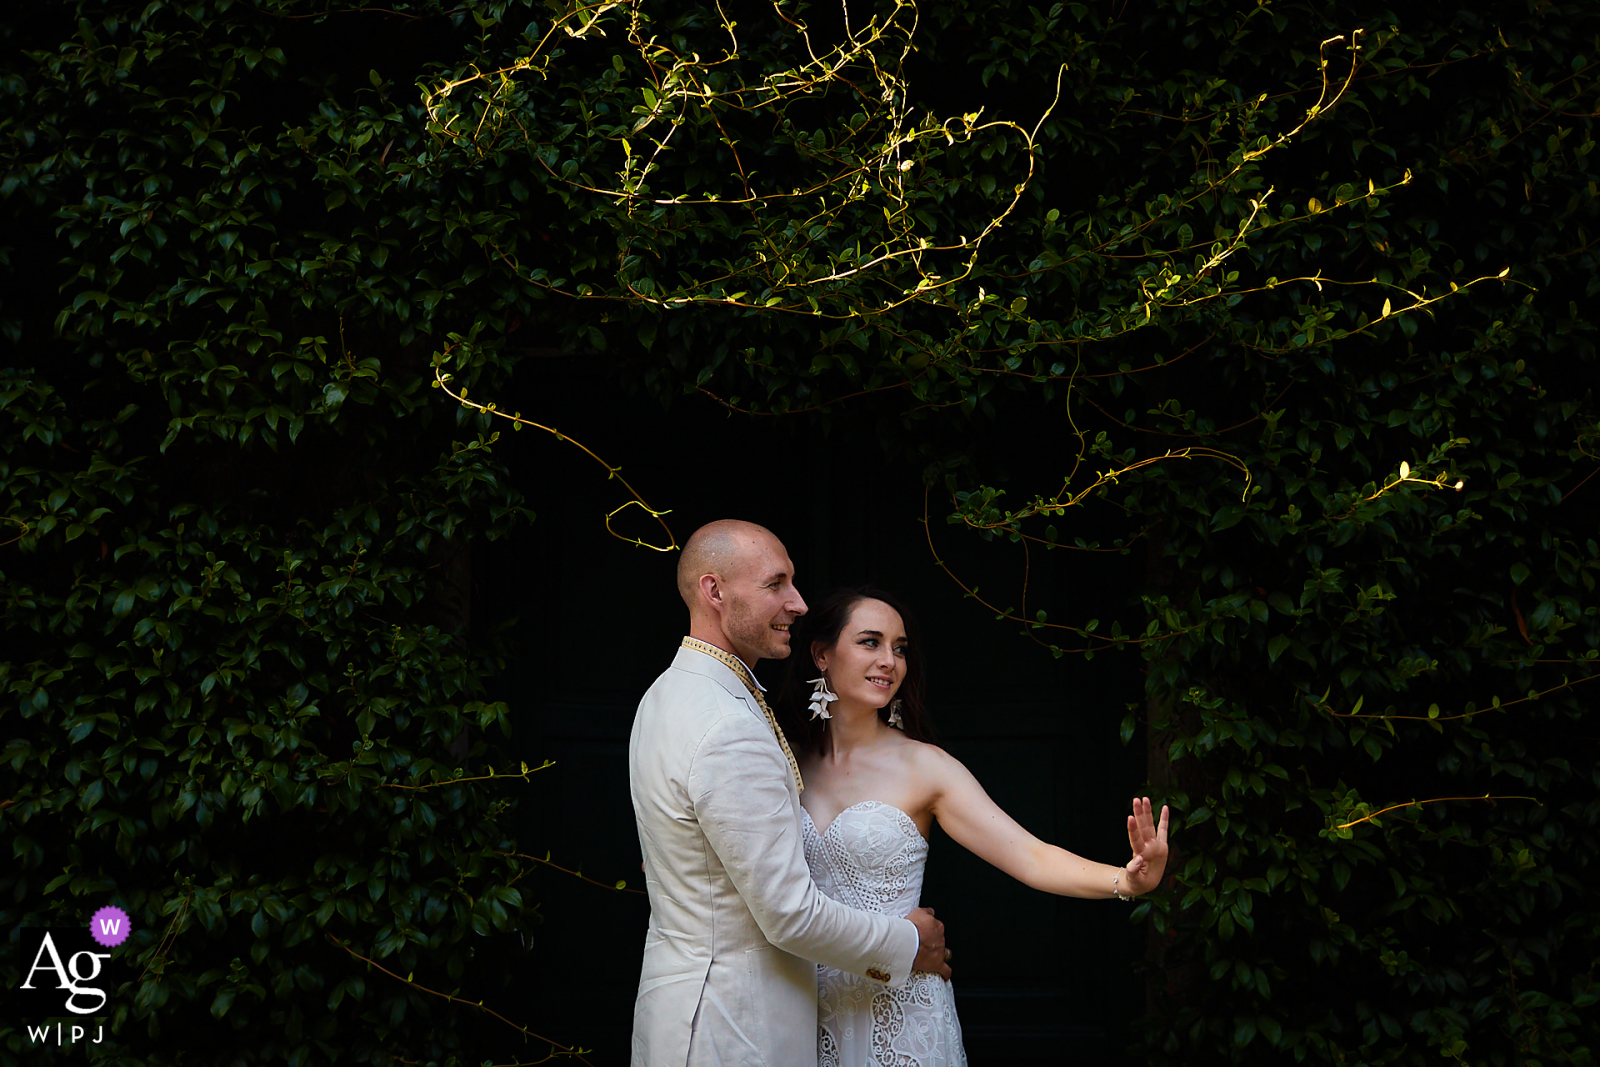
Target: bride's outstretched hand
{"x":1149,"y":843}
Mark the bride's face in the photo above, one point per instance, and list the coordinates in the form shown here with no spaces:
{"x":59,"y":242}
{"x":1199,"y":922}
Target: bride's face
{"x":868,"y":662}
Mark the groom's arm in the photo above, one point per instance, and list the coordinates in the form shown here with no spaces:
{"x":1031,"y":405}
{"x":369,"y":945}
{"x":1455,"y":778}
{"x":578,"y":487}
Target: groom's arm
{"x":739,"y":785}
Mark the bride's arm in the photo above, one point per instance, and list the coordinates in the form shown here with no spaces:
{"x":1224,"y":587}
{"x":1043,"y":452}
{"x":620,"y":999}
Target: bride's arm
{"x":977,"y":823}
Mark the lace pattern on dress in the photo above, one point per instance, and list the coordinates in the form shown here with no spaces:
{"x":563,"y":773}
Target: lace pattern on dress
{"x":871,"y":857}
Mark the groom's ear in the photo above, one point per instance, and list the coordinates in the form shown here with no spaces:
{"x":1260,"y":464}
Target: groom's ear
{"x":711,"y":591}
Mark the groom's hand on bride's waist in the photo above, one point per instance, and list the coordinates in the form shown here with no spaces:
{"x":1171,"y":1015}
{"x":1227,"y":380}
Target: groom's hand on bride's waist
{"x":932,"y":956}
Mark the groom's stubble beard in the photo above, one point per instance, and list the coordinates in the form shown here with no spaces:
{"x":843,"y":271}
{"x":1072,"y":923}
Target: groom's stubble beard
{"x":752,"y":635}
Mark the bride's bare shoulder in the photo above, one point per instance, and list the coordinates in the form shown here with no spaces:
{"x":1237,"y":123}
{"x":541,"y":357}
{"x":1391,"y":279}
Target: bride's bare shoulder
{"x":931,"y":763}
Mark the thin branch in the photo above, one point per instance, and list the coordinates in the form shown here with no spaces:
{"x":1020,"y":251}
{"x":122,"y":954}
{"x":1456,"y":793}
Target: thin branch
{"x":20,"y":536}
{"x":814,"y":407}
{"x":1563,"y":499}
{"x":441,"y":381}
{"x":1034,"y":624}
{"x":169,"y":937}
{"x":556,"y":1048}
{"x":1497,"y":705}
{"x":526,"y":770}
{"x":1435,"y":800}
{"x":616,"y":887}
{"x":1438,"y":481}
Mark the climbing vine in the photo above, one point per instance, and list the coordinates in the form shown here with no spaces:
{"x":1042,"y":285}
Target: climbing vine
{"x":1292,"y":299}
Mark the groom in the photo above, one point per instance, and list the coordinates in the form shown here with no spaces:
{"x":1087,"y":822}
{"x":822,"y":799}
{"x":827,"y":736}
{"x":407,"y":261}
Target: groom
{"x":735,"y":920}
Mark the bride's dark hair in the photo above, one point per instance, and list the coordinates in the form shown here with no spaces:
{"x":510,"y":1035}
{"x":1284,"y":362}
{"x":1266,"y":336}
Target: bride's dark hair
{"x":824,"y":623}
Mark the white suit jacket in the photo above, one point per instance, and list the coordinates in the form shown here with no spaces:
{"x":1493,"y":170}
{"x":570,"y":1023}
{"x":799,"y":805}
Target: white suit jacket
{"x":735,"y":920}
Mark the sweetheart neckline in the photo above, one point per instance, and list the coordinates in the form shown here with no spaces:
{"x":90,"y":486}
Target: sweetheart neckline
{"x":821,"y":834}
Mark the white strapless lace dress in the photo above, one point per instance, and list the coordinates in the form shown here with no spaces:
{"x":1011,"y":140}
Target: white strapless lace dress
{"x":871,"y":857}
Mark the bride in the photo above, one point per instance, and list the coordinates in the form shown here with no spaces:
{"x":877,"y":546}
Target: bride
{"x":873,"y":788}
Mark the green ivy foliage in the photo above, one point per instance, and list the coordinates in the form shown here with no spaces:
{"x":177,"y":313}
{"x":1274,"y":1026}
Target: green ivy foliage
{"x":1263,"y":288}
{"x":243,"y":678}
{"x":1297,"y":298}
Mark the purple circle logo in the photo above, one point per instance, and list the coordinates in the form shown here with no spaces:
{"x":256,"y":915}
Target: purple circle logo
{"x":110,"y":926}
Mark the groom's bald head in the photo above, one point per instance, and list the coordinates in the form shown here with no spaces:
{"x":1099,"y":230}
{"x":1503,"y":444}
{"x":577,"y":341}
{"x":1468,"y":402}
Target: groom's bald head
{"x":721,"y":548}
{"x":738,"y":582}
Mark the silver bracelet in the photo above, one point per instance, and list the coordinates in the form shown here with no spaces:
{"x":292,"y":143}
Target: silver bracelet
{"x":1117,"y":892}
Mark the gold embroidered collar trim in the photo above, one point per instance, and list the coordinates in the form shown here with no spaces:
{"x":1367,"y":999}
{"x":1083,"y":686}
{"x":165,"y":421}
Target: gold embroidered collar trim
{"x":737,"y":665}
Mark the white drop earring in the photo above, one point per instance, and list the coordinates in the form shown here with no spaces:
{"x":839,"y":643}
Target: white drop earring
{"x":894,"y":714}
{"x":821,"y":696}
